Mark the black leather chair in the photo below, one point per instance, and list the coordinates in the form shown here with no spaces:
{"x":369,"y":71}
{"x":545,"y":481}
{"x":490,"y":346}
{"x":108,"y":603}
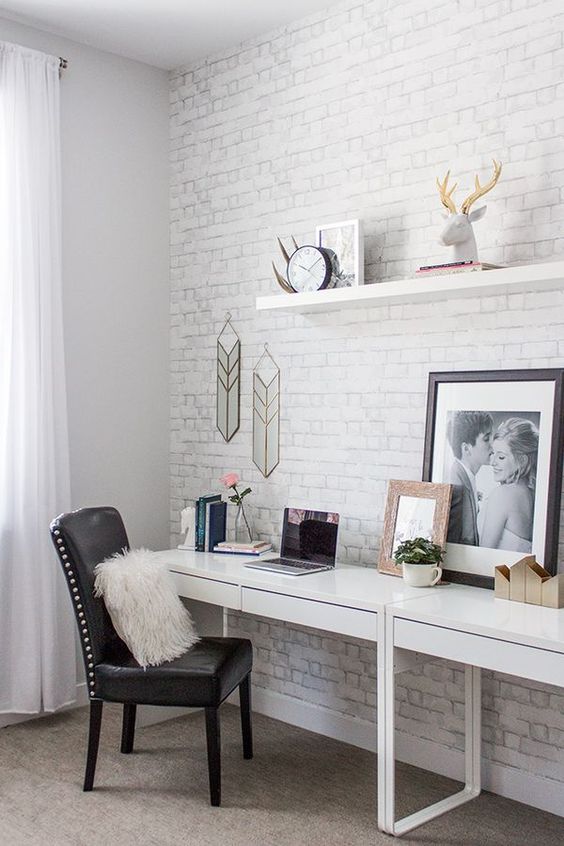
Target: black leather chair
{"x":201,"y":678}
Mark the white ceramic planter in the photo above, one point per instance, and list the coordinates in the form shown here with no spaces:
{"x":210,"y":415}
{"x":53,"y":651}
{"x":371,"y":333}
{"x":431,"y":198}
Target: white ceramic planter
{"x":421,"y":575}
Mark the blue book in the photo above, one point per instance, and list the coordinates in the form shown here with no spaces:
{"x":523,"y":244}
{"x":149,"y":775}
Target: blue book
{"x":216,"y":528}
{"x":201,"y":509}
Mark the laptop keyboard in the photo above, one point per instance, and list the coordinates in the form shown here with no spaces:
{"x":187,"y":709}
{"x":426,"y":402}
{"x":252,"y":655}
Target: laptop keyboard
{"x":291,"y":562}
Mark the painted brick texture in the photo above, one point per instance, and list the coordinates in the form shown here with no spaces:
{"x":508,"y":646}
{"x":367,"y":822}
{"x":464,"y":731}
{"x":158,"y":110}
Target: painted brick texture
{"x":353,"y":113}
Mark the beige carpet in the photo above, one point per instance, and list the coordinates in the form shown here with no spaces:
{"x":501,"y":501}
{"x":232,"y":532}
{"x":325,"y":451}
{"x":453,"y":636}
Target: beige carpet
{"x":300,"y":788}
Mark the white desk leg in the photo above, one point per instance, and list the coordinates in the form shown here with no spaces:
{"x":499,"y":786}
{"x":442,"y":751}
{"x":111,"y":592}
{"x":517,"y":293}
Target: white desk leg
{"x":382,"y":722}
{"x":473,"y":739}
{"x":473,"y":733}
{"x":387,"y":763}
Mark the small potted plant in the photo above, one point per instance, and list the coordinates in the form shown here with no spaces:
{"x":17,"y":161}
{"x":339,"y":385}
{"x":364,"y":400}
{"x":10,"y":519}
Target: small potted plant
{"x":420,"y":559}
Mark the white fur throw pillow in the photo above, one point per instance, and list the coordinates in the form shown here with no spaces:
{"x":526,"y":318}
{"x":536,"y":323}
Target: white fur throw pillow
{"x":147,"y":614}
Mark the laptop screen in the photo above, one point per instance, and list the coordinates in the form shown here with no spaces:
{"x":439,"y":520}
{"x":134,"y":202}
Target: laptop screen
{"x":310,"y":535}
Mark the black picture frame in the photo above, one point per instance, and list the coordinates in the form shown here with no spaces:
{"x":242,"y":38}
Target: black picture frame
{"x":502,"y":385}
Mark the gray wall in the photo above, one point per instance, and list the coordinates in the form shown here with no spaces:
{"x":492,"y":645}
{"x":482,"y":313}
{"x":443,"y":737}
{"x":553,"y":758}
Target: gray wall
{"x":115,"y":277}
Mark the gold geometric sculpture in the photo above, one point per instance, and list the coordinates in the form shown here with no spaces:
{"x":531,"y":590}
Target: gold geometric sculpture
{"x":228,"y":380}
{"x":266,"y":413}
{"x":526,"y":581}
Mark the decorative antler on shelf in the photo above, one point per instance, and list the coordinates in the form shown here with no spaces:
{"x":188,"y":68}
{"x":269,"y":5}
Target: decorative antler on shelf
{"x":458,"y":232}
{"x":282,"y":281}
{"x":445,"y":195}
{"x":481,"y":190}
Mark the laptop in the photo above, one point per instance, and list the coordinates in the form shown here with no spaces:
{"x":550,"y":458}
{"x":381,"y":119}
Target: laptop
{"x":309,"y":543}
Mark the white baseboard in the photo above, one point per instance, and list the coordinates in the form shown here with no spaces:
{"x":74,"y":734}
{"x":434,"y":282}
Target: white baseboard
{"x":528,"y":788}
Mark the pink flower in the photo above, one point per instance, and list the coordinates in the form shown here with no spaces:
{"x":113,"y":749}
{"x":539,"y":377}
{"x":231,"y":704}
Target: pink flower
{"x":229,"y":480}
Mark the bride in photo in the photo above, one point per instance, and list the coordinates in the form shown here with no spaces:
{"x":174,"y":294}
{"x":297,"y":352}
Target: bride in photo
{"x":507,"y":519}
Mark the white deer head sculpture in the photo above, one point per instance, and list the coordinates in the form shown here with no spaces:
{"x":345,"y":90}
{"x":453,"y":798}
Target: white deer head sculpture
{"x":458,"y":232}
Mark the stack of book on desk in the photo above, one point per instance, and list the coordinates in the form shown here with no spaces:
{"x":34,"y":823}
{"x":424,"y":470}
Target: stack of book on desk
{"x":250,"y":548}
{"x":455,"y":267}
{"x":211,"y":514}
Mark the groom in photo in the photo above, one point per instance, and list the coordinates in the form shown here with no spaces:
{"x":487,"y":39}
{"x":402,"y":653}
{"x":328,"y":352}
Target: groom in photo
{"x":469,"y":434}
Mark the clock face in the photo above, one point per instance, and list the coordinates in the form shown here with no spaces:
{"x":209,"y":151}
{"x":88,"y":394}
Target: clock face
{"x":309,"y":269}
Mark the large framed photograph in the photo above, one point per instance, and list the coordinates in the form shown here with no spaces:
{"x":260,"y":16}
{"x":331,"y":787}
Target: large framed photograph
{"x":496,"y":436}
{"x":345,"y":239}
{"x":413,"y":510}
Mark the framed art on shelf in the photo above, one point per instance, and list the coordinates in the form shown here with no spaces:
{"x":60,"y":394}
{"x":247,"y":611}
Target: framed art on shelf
{"x":346,"y":241}
{"x":413,"y":510}
{"x":496,"y":436}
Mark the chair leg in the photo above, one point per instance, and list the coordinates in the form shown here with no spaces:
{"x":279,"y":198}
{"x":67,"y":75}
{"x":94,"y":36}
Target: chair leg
{"x":246,"y":726}
{"x":93,"y":741}
{"x":214,"y":754}
{"x":128,"y":728}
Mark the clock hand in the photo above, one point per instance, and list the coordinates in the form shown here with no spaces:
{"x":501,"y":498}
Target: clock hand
{"x":309,"y":269}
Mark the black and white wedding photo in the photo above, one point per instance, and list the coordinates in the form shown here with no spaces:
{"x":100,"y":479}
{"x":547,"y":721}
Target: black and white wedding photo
{"x":491,"y":461}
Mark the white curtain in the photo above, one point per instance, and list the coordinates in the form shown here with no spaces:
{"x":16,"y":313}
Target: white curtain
{"x":37,"y":646}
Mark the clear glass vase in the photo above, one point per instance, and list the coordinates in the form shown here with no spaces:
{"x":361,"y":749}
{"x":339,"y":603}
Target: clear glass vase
{"x":243,"y":526}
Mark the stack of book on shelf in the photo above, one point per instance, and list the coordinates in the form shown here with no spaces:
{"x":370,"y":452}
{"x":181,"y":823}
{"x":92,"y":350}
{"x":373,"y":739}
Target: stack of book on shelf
{"x":211,"y":515}
{"x":455,"y":267}
{"x":249,"y":548}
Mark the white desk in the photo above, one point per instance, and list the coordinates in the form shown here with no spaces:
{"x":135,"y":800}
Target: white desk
{"x":347,"y":600}
{"x":462,"y":624}
{"x":471,"y":626}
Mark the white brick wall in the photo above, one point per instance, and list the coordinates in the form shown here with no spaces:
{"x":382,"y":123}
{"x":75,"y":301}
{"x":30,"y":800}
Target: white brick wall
{"x":353,"y":113}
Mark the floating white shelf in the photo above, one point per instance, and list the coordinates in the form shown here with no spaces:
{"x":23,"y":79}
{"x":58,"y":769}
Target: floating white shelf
{"x":529,"y":277}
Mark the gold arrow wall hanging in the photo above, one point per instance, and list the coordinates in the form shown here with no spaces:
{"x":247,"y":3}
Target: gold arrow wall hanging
{"x":266,"y":413}
{"x":228,"y":380}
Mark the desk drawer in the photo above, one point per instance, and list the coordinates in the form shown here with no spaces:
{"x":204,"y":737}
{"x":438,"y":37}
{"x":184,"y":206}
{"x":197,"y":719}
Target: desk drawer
{"x":309,"y":612}
{"x":512,"y":658}
{"x":208,"y":590}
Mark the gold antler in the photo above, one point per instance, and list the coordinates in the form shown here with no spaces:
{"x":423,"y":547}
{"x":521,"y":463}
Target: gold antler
{"x":445,"y":195}
{"x":285,"y":255}
{"x":480,"y":191}
{"x":282,"y":282}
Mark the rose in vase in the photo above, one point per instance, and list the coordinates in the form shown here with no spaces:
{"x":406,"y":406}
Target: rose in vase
{"x":231,"y":480}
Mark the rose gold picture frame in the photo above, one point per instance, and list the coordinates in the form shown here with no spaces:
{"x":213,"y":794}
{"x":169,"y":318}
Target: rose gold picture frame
{"x":413,"y":509}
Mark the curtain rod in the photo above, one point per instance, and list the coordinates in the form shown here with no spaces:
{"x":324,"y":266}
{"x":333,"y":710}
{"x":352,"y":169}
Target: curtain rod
{"x":63,"y":63}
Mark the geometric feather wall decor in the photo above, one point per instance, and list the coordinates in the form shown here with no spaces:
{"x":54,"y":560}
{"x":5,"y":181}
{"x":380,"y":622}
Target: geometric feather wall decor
{"x":266,"y":413}
{"x":228,"y":380}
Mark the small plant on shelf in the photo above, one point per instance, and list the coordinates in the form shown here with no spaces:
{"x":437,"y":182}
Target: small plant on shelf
{"x":419,"y":551}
